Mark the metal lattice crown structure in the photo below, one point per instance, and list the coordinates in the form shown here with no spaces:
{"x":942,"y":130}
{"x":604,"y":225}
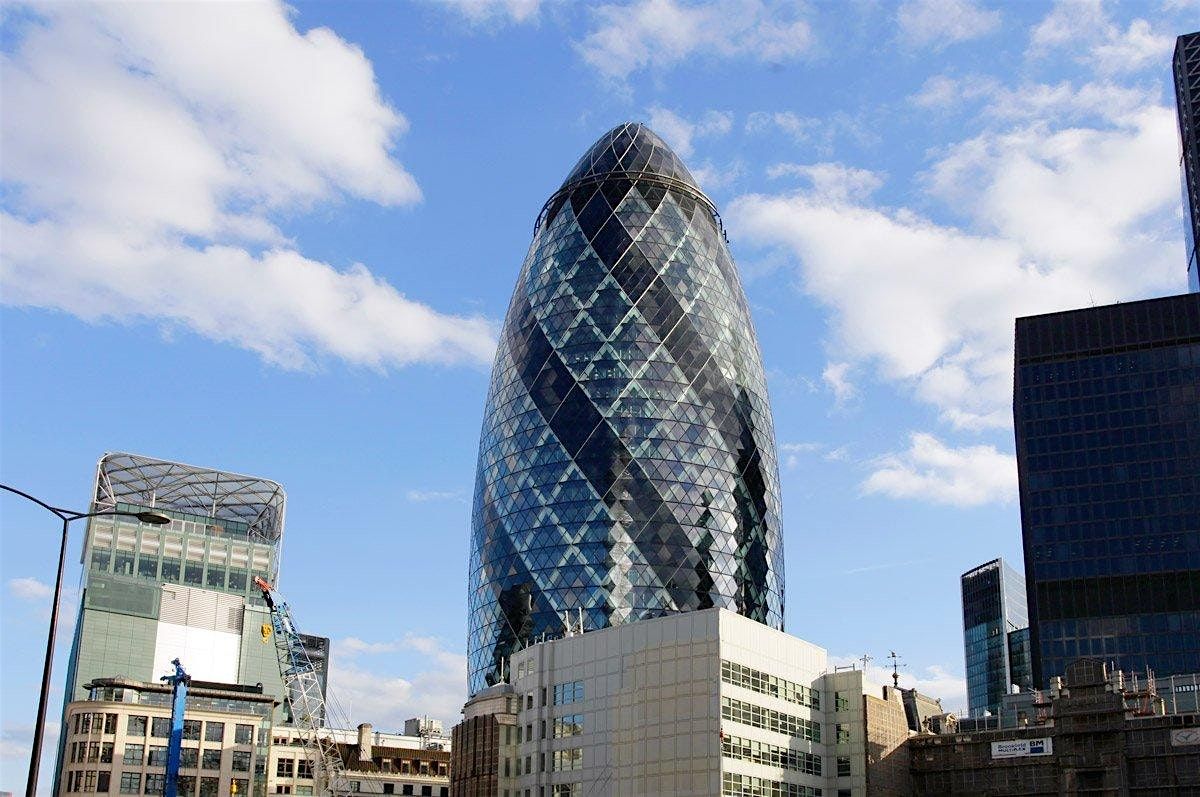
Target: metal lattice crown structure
{"x":627,"y":462}
{"x":155,"y":483}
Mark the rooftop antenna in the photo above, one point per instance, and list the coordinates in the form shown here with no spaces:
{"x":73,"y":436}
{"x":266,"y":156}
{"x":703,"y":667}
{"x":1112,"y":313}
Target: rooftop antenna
{"x":895,"y":657}
{"x":866,"y":658}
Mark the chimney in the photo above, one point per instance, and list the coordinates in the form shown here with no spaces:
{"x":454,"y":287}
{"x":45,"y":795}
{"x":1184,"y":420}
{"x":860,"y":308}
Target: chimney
{"x":364,"y":742}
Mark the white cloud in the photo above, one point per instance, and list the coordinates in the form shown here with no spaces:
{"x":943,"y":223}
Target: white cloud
{"x":932,"y":471}
{"x":1082,"y":28}
{"x":934,"y":680}
{"x":371,"y":692}
{"x":938,"y":23}
{"x":29,"y":589}
{"x":148,"y":152}
{"x":1063,"y":101}
{"x":481,"y":12}
{"x":837,"y":378}
{"x":663,"y":33}
{"x":799,"y":128}
{"x":834,"y":181}
{"x":679,"y":132}
{"x":1054,"y":220}
{"x":425,"y":496}
{"x":790,"y":452}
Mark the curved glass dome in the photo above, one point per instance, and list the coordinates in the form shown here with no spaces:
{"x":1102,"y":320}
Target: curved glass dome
{"x":627,"y":462}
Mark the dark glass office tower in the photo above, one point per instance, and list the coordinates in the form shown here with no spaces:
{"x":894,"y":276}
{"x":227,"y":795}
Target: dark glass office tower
{"x":1186,"y":66}
{"x":627,"y":462}
{"x":1107,"y":412}
{"x":995,"y":634}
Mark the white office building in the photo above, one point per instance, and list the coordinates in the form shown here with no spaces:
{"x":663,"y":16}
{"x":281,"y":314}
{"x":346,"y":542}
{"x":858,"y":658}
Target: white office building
{"x":697,"y":703}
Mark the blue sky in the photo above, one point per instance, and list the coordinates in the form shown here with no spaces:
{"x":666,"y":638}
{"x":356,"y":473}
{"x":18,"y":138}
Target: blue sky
{"x":279,"y":240}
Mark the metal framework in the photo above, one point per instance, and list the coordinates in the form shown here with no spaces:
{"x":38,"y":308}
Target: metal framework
{"x":303,"y":691}
{"x":143,"y":481}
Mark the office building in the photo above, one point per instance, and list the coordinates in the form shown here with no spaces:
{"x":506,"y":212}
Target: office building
{"x":1186,"y":68}
{"x":627,"y":463}
{"x":151,"y":594}
{"x":698,"y":703}
{"x":376,"y":762}
{"x":1101,"y":734}
{"x":995,"y":634}
{"x":1106,"y":407}
{"x":116,"y":739}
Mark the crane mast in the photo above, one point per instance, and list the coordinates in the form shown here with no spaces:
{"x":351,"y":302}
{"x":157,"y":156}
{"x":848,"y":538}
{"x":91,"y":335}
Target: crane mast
{"x":303,"y":691}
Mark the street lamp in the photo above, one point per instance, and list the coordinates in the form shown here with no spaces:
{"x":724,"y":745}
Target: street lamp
{"x":67,"y":516}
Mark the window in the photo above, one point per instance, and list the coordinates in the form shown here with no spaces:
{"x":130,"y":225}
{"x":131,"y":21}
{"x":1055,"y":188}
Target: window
{"x":568,"y":693}
{"x":758,"y":681}
{"x":356,"y":785}
{"x":304,"y":790}
{"x":770,"y":755}
{"x":110,"y":723}
{"x":131,"y":782}
{"x":136,"y":726}
{"x":214,"y":731}
{"x":160,"y":727}
{"x":89,"y":781}
{"x":243,"y":734}
{"x":843,"y":765}
{"x":285,"y":768}
{"x":158,"y":757}
{"x":241,"y":760}
{"x":186,"y":785}
{"x":93,"y":752}
{"x":106,"y":753}
{"x":133,"y":754}
{"x":571,"y":758}
{"x":770,"y":719}
{"x":210,"y":759}
{"x":103,"y":779}
{"x":389,"y":788}
{"x":843,"y":733}
{"x":208,"y":787}
{"x":568,"y":790}
{"x":155,"y":783}
{"x":840,"y":702}
{"x":239,"y":786}
{"x":191,"y":730}
{"x":304,"y":769}
{"x":189,"y":757}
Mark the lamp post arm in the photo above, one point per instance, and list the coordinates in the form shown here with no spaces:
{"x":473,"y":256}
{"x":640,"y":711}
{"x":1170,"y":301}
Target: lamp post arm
{"x":62,"y":513}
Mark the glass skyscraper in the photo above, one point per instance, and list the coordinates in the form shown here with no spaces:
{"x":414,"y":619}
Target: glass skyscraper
{"x":1106,"y":406}
{"x":627,"y":463}
{"x":1186,"y":67}
{"x":995,"y":634}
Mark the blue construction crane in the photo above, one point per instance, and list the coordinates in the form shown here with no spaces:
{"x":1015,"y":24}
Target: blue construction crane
{"x":179,"y":689}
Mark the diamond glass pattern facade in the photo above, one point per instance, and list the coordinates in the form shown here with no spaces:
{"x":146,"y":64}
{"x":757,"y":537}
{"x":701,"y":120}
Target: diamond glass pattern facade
{"x":627,"y":462}
{"x":1107,"y":415}
{"x":1186,"y":69}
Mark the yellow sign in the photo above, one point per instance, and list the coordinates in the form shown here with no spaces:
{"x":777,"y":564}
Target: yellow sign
{"x":266,"y":631}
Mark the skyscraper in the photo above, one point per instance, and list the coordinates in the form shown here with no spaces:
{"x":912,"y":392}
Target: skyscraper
{"x":1186,"y":66}
{"x":184,"y":590}
{"x":1106,"y":407}
{"x":995,"y":634}
{"x":627,"y":461}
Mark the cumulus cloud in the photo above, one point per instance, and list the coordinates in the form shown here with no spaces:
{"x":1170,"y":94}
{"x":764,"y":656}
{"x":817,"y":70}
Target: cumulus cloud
{"x":679,"y":131}
{"x":148,"y":153}
{"x":938,"y":23}
{"x":834,"y":181}
{"x":1053,"y":218}
{"x":661,"y":34}
{"x":29,"y":589}
{"x":367,"y":687}
{"x":933,"y":471}
{"x":1064,"y":101}
{"x":837,"y":379}
{"x":1083,"y":29}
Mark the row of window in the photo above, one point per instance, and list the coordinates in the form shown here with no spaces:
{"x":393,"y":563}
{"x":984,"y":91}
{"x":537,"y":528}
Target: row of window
{"x":771,"y":755}
{"x":735,"y":785}
{"x":761,"y":682}
{"x":568,"y":725}
{"x":101,"y":782}
{"x":160,"y":727}
{"x":569,"y":759}
{"x":135,"y":755}
{"x":769,"y":719}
